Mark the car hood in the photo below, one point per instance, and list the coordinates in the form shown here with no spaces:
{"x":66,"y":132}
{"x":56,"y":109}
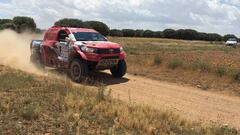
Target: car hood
{"x":98,"y":44}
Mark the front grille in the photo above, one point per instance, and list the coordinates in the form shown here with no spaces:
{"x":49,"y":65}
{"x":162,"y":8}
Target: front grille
{"x":108,"y":51}
{"x":111,"y":57}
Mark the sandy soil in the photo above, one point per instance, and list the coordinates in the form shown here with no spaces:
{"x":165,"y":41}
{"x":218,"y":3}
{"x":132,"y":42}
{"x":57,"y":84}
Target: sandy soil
{"x":190,"y":103}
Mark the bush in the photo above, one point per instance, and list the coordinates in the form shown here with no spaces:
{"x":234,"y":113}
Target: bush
{"x":29,"y":112}
{"x":175,"y":63}
{"x":201,"y":66}
{"x":236,"y":76}
{"x":157,"y":60}
{"x":221,"y":71}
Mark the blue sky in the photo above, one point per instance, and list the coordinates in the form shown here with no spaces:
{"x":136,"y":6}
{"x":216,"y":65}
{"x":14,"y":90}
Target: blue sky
{"x":220,"y":16}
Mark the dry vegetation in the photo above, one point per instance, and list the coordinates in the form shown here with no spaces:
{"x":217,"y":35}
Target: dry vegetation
{"x":207,"y":65}
{"x":31,"y":104}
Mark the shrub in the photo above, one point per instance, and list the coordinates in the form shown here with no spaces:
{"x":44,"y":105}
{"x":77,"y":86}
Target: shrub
{"x":157,"y":60}
{"x":100,"y":94}
{"x":201,"y":66}
{"x":175,"y":63}
{"x":236,"y":76}
{"x":29,"y":112}
{"x":221,"y":71}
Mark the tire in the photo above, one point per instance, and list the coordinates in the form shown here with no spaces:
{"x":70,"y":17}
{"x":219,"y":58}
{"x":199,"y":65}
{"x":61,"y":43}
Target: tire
{"x":35,"y":59}
{"x":120,"y":70}
{"x":78,"y":70}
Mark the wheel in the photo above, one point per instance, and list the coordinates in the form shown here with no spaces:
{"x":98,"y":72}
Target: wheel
{"x":35,"y":59}
{"x":119,"y":70}
{"x":78,"y":70}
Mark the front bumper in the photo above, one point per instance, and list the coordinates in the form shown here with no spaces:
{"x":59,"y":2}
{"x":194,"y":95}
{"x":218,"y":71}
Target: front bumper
{"x":93,"y":57}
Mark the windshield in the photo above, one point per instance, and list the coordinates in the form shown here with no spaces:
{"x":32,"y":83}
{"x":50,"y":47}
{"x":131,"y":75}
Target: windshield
{"x":232,"y":39}
{"x":89,"y":36}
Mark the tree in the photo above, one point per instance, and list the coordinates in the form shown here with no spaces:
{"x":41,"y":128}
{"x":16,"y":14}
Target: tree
{"x":24,"y":23}
{"x":99,"y":26}
{"x":8,"y":26}
{"x":187,"y":34}
{"x":148,"y":33}
{"x":4,"y":21}
{"x":70,"y":22}
{"x":128,"y":32}
{"x":202,"y":36}
{"x":116,"y":33}
{"x":158,"y":34}
{"x":169,"y":33}
{"x":139,"y":33}
{"x":214,"y":37}
{"x":228,"y":36}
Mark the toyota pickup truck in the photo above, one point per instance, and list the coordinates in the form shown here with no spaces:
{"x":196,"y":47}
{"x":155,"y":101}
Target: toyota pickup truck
{"x":78,"y":51}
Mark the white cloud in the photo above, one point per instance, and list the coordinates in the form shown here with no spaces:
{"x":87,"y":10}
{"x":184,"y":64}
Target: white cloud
{"x":221,"y":16}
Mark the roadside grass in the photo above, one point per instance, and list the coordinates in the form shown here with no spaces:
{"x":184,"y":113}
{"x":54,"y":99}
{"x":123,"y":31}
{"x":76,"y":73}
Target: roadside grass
{"x":44,"y":105}
{"x":210,"y":63}
{"x":175,"y":63}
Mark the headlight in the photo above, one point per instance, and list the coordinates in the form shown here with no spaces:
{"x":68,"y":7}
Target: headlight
{"x":121,"y":49}
{"x":88,"y":49}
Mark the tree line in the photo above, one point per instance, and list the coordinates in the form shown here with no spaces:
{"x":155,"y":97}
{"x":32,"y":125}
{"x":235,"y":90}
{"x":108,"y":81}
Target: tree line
{"x":21,"y":24}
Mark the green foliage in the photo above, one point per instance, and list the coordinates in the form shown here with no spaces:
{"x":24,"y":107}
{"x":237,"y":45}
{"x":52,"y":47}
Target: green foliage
{"x":29,"y":112}
{"x":187,"y":34}
{"x":228,"y":36}
{"x":4,"y":21}
{"x":201,"y":66}
{"x":8,"y":26}
{"x":100,"y":95}
{"x":70,"y":22}
{"x":148,"y":33}
{"x":128,"y":32}
{"x":236,"y":75}
{"x":116,"y":33}
{"x":158,"y":34}
{"x":169,"y":33}
{"x":24,"y":24}
{"x":157,"y":60}
{"x":175,"y":63}
{"x":221,"y":71}
{"x":99,"y":26}
{"x":139,"y":33}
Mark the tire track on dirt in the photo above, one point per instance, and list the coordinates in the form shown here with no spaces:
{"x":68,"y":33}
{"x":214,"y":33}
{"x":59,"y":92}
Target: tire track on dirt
{"x":190,"y":103}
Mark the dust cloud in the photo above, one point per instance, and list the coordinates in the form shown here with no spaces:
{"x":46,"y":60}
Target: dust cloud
{"x":15,"y":50}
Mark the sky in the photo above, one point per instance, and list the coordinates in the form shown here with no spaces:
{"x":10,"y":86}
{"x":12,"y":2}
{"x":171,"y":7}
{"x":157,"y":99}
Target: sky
{"x":217,"y":16}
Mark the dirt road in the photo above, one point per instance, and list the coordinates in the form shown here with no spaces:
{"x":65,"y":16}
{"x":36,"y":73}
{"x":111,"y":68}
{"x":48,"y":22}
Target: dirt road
{"x":190,"y":103}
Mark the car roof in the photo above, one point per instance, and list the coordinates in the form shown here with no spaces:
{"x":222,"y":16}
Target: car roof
{"x":74,"y":30}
